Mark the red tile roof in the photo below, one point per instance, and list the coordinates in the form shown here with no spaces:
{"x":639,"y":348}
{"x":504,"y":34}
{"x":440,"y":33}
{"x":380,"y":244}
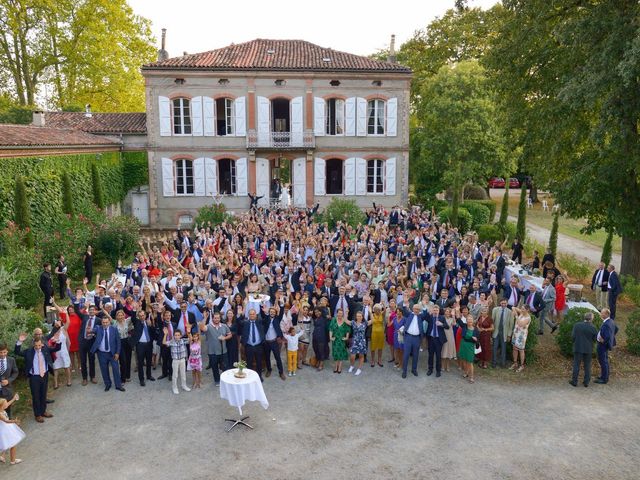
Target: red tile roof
{"x":30,"y":136}
{"x":126,"y":123}
{"x":286,"y":55}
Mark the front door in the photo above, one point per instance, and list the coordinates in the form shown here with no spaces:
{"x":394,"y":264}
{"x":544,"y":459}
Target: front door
{"x":262,"y":180}
{"x":140,"y":207}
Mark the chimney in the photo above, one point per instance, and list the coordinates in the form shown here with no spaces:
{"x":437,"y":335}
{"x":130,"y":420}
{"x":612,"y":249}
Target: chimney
{"x":87,"y":110}
{"x":392,"y":50}
{"x":38,"y":118}
{"x":162,"y":53}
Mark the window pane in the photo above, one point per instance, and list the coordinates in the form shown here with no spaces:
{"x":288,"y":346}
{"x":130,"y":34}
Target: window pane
{"x":371,"y":121}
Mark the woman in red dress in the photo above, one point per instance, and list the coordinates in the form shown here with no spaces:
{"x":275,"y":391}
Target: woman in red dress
{"x":561,"y":297}
{"x":485,"y":326}
{"x":69,"y":318}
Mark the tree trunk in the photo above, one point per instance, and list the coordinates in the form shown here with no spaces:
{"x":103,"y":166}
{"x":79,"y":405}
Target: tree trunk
{"x":533,"y":193}
{"x":630,"y":257}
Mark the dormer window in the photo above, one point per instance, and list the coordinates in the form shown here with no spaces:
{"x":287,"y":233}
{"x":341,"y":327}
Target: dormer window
{"x":280,"y":83}
{"x":334,"y":83}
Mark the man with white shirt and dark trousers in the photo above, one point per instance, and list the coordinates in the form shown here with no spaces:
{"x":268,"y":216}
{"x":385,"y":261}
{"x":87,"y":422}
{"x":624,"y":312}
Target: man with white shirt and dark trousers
{"x":271,"y":322}
{"x":413,"y":333}
{"x":86,"y":337}
{"x":143,"y":334}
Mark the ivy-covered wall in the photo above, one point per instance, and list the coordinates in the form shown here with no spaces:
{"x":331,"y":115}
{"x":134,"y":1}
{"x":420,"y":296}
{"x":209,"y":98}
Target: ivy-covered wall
{"x":135,"y":170}
{"x":43,"y":178}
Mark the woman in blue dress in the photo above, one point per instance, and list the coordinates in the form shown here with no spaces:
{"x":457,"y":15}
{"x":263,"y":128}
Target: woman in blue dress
{"x":359,"y":345}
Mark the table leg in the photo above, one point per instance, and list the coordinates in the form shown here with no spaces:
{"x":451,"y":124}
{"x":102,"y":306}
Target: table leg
{"x":237,"y":422}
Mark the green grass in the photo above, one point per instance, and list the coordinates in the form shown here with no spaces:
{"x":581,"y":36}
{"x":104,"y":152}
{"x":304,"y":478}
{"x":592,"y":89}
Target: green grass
{"x":567,"y":226}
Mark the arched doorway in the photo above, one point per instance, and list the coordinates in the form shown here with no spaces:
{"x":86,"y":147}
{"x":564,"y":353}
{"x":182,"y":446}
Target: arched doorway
{"x":334,"y":176}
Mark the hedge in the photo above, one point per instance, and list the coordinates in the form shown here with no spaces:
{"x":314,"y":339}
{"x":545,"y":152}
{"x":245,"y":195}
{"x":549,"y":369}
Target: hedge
{"x":573,"y":316}
{"x":489,"y":233}
{"x":475,"y":192}
{"x":479,"y":213}
{"x":465,"y":220}
{"x":633,"y":332}
{"x":346,"y":211}
{"x":490,"y":204}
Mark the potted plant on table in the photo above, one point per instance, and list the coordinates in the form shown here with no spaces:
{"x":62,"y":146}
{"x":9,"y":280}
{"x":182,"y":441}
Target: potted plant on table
{"x":241,"y":365}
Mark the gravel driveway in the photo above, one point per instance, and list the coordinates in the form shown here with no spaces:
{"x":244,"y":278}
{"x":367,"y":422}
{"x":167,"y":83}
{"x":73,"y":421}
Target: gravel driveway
{"x":328,"y":426}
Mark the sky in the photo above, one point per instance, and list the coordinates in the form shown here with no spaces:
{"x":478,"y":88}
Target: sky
{"x":355,"y":26}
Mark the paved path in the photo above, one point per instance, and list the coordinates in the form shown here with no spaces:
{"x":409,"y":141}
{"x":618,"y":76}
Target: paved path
{"x":569,"y":245}
{"x":326,"y":426}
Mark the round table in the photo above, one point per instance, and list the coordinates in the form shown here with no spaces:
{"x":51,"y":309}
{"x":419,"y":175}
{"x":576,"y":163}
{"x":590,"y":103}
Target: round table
{"x":237,"y":391}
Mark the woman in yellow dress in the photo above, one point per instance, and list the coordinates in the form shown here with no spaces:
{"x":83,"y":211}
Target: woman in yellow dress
{"x":377,"y":335}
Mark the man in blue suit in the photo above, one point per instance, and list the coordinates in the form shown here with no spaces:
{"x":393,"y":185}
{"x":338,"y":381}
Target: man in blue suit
{"x":436,"y":337}
{"x":413,"y":332}
{"x":606,"y":341}
{"x":107,"y":346}
{"x":252,"y":337}
{"x":615,"y":289}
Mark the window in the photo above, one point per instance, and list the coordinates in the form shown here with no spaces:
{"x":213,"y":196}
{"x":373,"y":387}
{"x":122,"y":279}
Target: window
{"x":224,"y":116}
{"x":227,"y":176}
{"x":375,"y":183}
{"x":184,"y":177}
{"x":335,"y":116}
{"x":181,"y":116}
{"x":375,"y":115}
{"x":334,"y":177}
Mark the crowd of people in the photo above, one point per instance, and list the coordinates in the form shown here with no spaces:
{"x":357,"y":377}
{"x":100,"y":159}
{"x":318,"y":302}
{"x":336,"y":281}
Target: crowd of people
{"x":274,"y":280}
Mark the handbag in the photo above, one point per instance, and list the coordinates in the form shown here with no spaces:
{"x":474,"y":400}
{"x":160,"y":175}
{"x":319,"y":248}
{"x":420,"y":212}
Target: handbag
{"x":478,"y":349}
{"x":401,"y":334}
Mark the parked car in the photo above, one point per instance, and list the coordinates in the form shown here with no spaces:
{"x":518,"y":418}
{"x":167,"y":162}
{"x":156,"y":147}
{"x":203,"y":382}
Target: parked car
{"x":514,"y":183}
{"x":496,"y":182}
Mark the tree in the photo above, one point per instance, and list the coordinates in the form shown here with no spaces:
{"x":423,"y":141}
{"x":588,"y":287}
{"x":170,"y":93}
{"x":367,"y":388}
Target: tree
{"x":67,"y":198}
{"x":85,"y":51}
{"x":521,"y":229}
{"x":459,"y":137}
{"x":21,"y":210}
{"x":607,"y":248}
{"x":96,"y":183}
{"x":504,"y":209}
{"x":553,"y":236}
{"x":569,"y":76}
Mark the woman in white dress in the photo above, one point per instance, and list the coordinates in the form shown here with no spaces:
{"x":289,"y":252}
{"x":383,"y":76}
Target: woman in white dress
{"x":10,"y":433}
{"x":519,"y":337}
{"x":285,"y":197}
{"x":63,"y":359}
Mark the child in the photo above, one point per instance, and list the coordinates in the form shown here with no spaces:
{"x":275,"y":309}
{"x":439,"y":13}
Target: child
{"x":195,"y":360}
{"x":292,"y":349}
{"x":10,"y":433}
{"x":178,"y":346}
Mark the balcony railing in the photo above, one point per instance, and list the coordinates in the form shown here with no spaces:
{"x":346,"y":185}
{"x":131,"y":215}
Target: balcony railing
{"x":280,"y":140}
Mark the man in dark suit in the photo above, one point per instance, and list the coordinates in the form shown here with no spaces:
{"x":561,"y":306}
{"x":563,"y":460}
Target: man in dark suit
{"x":185,"y":321}
{"x":85,"y":341}
{"x":341,"y":301}
{"x":413,"y":333}
{"x":38,"y":364}
{"x":252,"y":337}
{"x":272,"y":337}
{"x":444,"y":301}
{"x":436,"y":337}
{"x":501,"y":264}
{"x":535,"y":303}
{"x":584,"y":336}
{"x":615,"y":289}
{"x":600,"y":284}
{"x":107,"y":346}
{"x":8,"y":374}
{"x":606,"y":341}
{"x":46,"y":285}
{"x":165,"y":350}
{"x":512,"y":292}
{"x":143,"y":334}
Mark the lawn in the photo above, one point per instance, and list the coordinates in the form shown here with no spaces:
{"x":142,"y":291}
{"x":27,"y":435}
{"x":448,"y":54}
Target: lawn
{"x":567,"y":226}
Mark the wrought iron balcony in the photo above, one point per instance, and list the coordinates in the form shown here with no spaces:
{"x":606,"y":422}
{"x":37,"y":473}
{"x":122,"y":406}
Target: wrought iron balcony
{"x":280,"y":140}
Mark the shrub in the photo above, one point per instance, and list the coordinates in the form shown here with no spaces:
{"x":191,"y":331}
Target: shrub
{"x":489,"y":232}
{"x":23,"y":264}
{"x":15,"y":321}
{"x":521,"y":229}
{"x":631,"y":288}
{"x":490,"y":204}
{"x":67,"y":197}
{"x":475,"y":192}
{"x":504,"y":208}
{"x":479,"y":213}
{"x":346,"y":211}
{"x":507,"y":230}
{"x":465,"y":220}
{"x":553,"y":236}
{"x":575,"y":268}
{"x":118,"y":238}
{"x":573,"y":316}
{"x":606,"y":248}
{"x":633,"y":332}
{"x":212,"y":215}
{"x":530,"y":245}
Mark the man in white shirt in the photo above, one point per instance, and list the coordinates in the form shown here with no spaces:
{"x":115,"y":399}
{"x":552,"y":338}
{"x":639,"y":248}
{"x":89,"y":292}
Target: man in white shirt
{"x":413,"y":333}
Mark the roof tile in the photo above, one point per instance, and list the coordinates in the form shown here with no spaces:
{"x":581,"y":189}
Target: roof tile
{"x":113,"y":123}
{"x":29,"y":136}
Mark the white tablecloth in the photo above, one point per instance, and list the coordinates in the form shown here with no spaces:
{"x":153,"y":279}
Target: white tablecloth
{"x":237,"y":391}
{"x":588,"y":305}
{"x":525,"y":278}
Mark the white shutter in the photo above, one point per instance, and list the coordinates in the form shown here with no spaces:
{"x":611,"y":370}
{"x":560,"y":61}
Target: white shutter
{"x":319,"y":106}
{"x":167,"y":178}
{"x":198,"y":177}
{"x":211,"y":177}
{"x":350,"y":117}
{"x":164,"y":109}
{"x":362,"y":117}
{"x":209,"y":116}
{"x":392,"y":117}
{"x":390,"y":176}
{"x":262,"y":180}
{"x":300,"y":182}
{"x":239,"y":106}
{"x":319,"y":182}
{"x":350,"y":176}
{"x":361,"y":176}
{"x":241,"y":177}
{"x":196,"y":116}
{"x":297,"y":125}
{"x":264,"y":121}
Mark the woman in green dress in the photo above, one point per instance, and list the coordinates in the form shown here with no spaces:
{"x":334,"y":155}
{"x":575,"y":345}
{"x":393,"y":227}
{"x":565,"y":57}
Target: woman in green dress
{"x":467,"y":349}
{"x":339,"y":334}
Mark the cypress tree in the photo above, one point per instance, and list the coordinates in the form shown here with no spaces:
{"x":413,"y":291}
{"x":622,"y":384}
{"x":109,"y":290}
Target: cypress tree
{"x":22,"y":214}
{"x":504,"y":211}
{"x":606,"y":248}
{"x":521,"y":229}
{"x":98,"y":197}
{"x":67,"y":199}
{"x":553,"y":237}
